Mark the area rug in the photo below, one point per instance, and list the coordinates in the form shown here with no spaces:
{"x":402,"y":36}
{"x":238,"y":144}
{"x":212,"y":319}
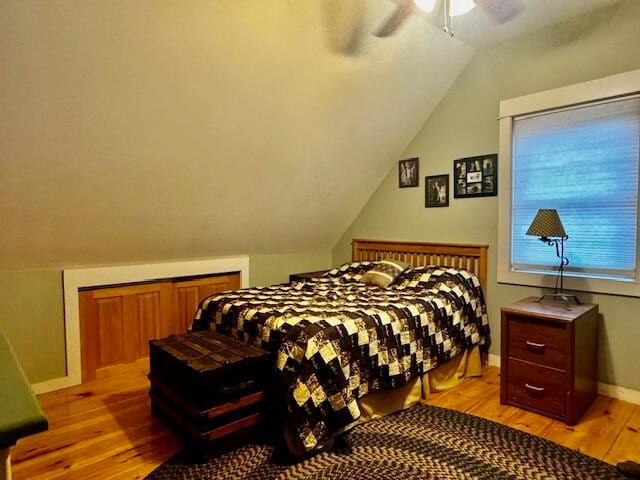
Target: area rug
{"x":422,"y":442}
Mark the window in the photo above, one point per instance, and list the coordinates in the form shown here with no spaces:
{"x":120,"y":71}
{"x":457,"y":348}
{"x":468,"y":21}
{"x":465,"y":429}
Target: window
{"x":581,"y":158}
{"x":584,"y":163}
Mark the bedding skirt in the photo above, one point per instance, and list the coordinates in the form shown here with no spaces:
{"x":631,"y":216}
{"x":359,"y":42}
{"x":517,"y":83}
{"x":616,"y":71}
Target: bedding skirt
{"x":444,"y":377}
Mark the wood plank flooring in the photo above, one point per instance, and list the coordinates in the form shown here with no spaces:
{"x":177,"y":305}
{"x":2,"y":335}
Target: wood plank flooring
{"x":104,"y":429}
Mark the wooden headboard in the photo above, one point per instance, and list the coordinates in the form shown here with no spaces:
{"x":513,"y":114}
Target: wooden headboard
{"x":471,"y":257}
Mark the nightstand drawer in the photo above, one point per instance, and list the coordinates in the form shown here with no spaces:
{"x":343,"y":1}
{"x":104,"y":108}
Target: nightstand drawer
{"x":537,"y":387}
{"x":536,"y":342}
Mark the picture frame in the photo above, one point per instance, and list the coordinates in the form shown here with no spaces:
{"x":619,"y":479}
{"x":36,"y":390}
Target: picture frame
{"x":408,"y":172}
{"x":475,"y":176}
{"x":436,"y":191}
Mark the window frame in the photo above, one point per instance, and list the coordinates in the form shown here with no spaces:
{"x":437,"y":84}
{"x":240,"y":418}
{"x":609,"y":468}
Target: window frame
{"x":603,"y":89}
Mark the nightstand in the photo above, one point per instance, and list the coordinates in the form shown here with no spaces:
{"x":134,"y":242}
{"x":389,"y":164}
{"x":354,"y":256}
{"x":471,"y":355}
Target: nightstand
{"x":549,"y":358}
{"x":300,"y":277}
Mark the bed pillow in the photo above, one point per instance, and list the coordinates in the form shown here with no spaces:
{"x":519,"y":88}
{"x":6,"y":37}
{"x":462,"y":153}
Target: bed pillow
{"x":384,"y":273}
{"x":350,"y":271}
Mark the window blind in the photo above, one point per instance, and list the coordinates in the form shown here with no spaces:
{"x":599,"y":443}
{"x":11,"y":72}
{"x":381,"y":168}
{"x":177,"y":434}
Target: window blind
{"x":583,"y":162}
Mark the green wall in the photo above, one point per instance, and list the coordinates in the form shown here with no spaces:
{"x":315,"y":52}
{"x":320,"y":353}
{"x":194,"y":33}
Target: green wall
{"x":465,"y":124}
{"x":272,"y":269}
{"x":32,"y":317}
{"x":32,"y":311}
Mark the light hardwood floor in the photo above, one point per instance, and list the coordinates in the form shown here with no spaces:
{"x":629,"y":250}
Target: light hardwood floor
{"x":104,"y":429}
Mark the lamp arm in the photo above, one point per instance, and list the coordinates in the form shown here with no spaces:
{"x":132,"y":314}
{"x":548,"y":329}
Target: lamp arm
{"x":564,"y":261}
{"x":559,"y":244}
{"x":553,"y":243}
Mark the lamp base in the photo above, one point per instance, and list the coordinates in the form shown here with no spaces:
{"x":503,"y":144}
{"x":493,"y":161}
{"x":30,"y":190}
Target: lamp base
{"x":560,"y":297}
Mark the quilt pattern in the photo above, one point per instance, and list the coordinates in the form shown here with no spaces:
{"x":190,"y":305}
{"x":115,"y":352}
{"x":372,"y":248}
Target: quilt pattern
{"x":335,"y":339}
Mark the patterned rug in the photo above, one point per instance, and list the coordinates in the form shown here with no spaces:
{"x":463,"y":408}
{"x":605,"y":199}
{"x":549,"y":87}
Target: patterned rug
{"x":422,"y":442}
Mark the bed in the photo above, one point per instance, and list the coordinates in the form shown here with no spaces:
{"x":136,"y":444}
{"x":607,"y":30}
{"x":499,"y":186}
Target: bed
{"x":344,"y":351}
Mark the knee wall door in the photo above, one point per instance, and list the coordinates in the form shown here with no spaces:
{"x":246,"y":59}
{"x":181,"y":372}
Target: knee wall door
{"x":116,"y":323}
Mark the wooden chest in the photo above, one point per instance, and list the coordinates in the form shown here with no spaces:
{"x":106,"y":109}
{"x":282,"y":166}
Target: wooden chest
{"x":549,"y":358}
{"x":207,"y":386}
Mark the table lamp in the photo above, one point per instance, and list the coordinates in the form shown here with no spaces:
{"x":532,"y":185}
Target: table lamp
{"x":549,"y":228}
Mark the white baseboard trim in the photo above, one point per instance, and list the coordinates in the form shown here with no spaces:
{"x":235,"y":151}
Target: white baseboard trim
{"x":606,"y":389}
{"x":51,"y":385}
{"x":621,"y":393}
{"x":494,"y":360}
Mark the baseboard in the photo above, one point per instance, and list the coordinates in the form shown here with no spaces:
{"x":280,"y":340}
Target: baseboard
{"x":621,"y":393}
{"x":53,"y":385}
{"x":606,"y":389}
{"x":494,"y":360}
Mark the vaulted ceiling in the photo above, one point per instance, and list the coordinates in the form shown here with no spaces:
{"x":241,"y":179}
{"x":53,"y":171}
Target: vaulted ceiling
{"x":156,"y":129}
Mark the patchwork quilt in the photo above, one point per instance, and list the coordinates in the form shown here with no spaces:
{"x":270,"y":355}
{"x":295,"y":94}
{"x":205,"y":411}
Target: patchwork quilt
{"x":335,"y":339}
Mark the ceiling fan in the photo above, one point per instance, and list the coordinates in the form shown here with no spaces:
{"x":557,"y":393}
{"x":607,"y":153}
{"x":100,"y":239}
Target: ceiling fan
{"x":501,"y":11}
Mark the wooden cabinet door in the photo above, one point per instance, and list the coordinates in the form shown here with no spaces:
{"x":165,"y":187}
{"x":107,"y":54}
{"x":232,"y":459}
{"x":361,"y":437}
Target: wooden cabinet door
{"x":117,"y":323}
{"x":189,"y":293}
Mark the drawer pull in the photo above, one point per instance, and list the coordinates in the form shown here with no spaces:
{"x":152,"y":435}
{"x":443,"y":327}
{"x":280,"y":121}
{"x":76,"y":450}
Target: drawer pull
{"x":534,"y":388}
{"x":536,"y":347}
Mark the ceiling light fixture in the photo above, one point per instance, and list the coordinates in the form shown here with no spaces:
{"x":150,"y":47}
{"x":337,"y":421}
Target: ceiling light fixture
{"x":452,"y":8}
{"x":459,"y":7}
{"x":426,"y":5}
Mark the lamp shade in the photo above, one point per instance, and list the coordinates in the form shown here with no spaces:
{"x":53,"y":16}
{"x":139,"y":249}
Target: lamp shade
{"x":546,"y":224}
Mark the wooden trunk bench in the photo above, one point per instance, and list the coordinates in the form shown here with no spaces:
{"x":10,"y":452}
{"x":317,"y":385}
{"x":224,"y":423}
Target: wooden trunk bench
{"x":208,"y":387}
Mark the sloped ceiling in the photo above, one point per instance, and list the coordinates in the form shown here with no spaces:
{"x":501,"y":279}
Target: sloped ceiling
{"x":157,"y":129}
{"x":162,"y":129}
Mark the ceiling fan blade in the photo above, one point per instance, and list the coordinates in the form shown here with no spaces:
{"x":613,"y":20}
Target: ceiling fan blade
{"x":396,"y":19}
{"x":344,"y":25}
{"x":501,"y":11}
